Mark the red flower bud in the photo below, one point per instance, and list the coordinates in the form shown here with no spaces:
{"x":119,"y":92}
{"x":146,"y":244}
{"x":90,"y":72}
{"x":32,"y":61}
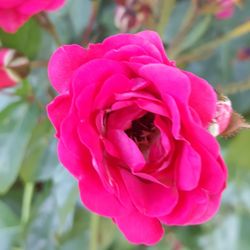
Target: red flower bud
{"x":13,"y":67}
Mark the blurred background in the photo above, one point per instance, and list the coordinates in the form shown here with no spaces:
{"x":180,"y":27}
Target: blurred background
{"x":39,"y":202}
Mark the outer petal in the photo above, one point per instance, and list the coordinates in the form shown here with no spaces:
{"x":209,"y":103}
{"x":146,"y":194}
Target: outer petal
{"x":120,"y":40}
{"x":188,"y":167}
{"x":6,"y":4}
{"x":63,"y":64}
{"x":202,"y":98}
{"x":150,"y":198}
{"x":140,"y":229}
{"x":58,"y":110}
{"x":96,"y":198}
{"x":155,"y":39}
{"x":11,"y":20}
{"x":34,"y":6}
{"x":191,"y":206}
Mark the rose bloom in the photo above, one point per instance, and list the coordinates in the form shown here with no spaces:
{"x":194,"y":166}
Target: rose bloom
{"x":14,"y":13}
{"x":13,"y":67}
{"x":133,"y":130}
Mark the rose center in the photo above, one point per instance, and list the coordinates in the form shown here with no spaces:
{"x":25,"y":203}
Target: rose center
{"x":143,"y":131}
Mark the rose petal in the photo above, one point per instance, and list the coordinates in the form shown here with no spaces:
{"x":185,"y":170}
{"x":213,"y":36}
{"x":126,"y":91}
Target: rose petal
{"x":202,"y":98}
{"x":128,"y":150}
{"x":58,"y":110}
{"x":11,"y":20}
{"x":63,"y":63}
{"x":120,"y":40}
{"x":103,"y":68}
{"x":155,"y":39}
{"x":96,"y":198}
{"x":140,"y":229}
{"x":150,"y":198}
{"x":191,"y":206}
{"x":168,"y":80}
{"x":188,"y":168}
{"x":117,"y":83}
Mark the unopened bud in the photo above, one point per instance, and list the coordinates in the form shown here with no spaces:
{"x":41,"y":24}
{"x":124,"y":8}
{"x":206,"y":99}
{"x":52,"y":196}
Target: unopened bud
{"x":130,"y":15}
{"x":13,"y":67}
{"x":226,"y":121}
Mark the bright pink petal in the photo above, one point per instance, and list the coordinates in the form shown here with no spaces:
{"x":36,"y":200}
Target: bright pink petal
{"x":120,"y":40}
{"x":117,"y":83}
{"x":34,"y":6}
{"x":191,"y":206}
{"x":155,"y":39}
{"x":63,"y":64}
{"x":188,"y":168}
{"x":124,"y":53}
{"x":96,"y":198}
{"x":168,"y":80}
{"x":212,"y":175}
{"x":129,"y":152}
{"x":202,"y":98}
{"x":140,"y":229}
{"x":11,"y":20}
{"x":150,"y":198}
{"x":5,"y":80}
{"x":58,"y":110}
{"x":122,"y":118}
{"x":6,"y":4}
{"x":103,"y":68}
{"x":71,"y":161}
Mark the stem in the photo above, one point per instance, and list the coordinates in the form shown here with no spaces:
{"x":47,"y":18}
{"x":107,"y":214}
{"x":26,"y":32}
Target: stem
{"x":39,"y":64}
{"x":91,"y":23}
{"x":188,"y":22}
{"x":26,"y":205}
{"x":206,"y":49}
{"x":167,"y":7}
{"x":94,"y":223}
{"x":235,"y":88}
{"x":44,"y":21}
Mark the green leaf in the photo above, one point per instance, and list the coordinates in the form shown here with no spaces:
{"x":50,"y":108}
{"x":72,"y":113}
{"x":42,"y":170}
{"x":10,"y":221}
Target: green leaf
{"x":237,"y":153}
{"x":34,"y":167}
{"x":196,"y":33}
{"x":26,"y":40}
{"x":9,"y":228}
{"x":52,"y":216}
{"x":17,"y":122}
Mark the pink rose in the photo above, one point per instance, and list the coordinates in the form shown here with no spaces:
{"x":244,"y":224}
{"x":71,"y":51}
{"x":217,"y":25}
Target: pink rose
{"x":14,"y":13}
{"x":13,"y":67}
{"x":133,"y":130}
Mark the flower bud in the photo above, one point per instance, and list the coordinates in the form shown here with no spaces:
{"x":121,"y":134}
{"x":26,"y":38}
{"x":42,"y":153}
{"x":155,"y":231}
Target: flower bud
{"x":226,"y":121}
{"x":13,"y":67}
{"x":130,"y":15}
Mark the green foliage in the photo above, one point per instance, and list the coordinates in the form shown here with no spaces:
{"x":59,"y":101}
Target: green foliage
{"x":16,"y":122}
{"x":26,"y":40}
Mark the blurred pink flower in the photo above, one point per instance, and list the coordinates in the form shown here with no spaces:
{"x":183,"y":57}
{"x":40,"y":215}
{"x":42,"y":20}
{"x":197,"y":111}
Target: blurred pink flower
{"x":133,"y":130}
{"x":226,"y":9}
{"x":14,"y":13}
